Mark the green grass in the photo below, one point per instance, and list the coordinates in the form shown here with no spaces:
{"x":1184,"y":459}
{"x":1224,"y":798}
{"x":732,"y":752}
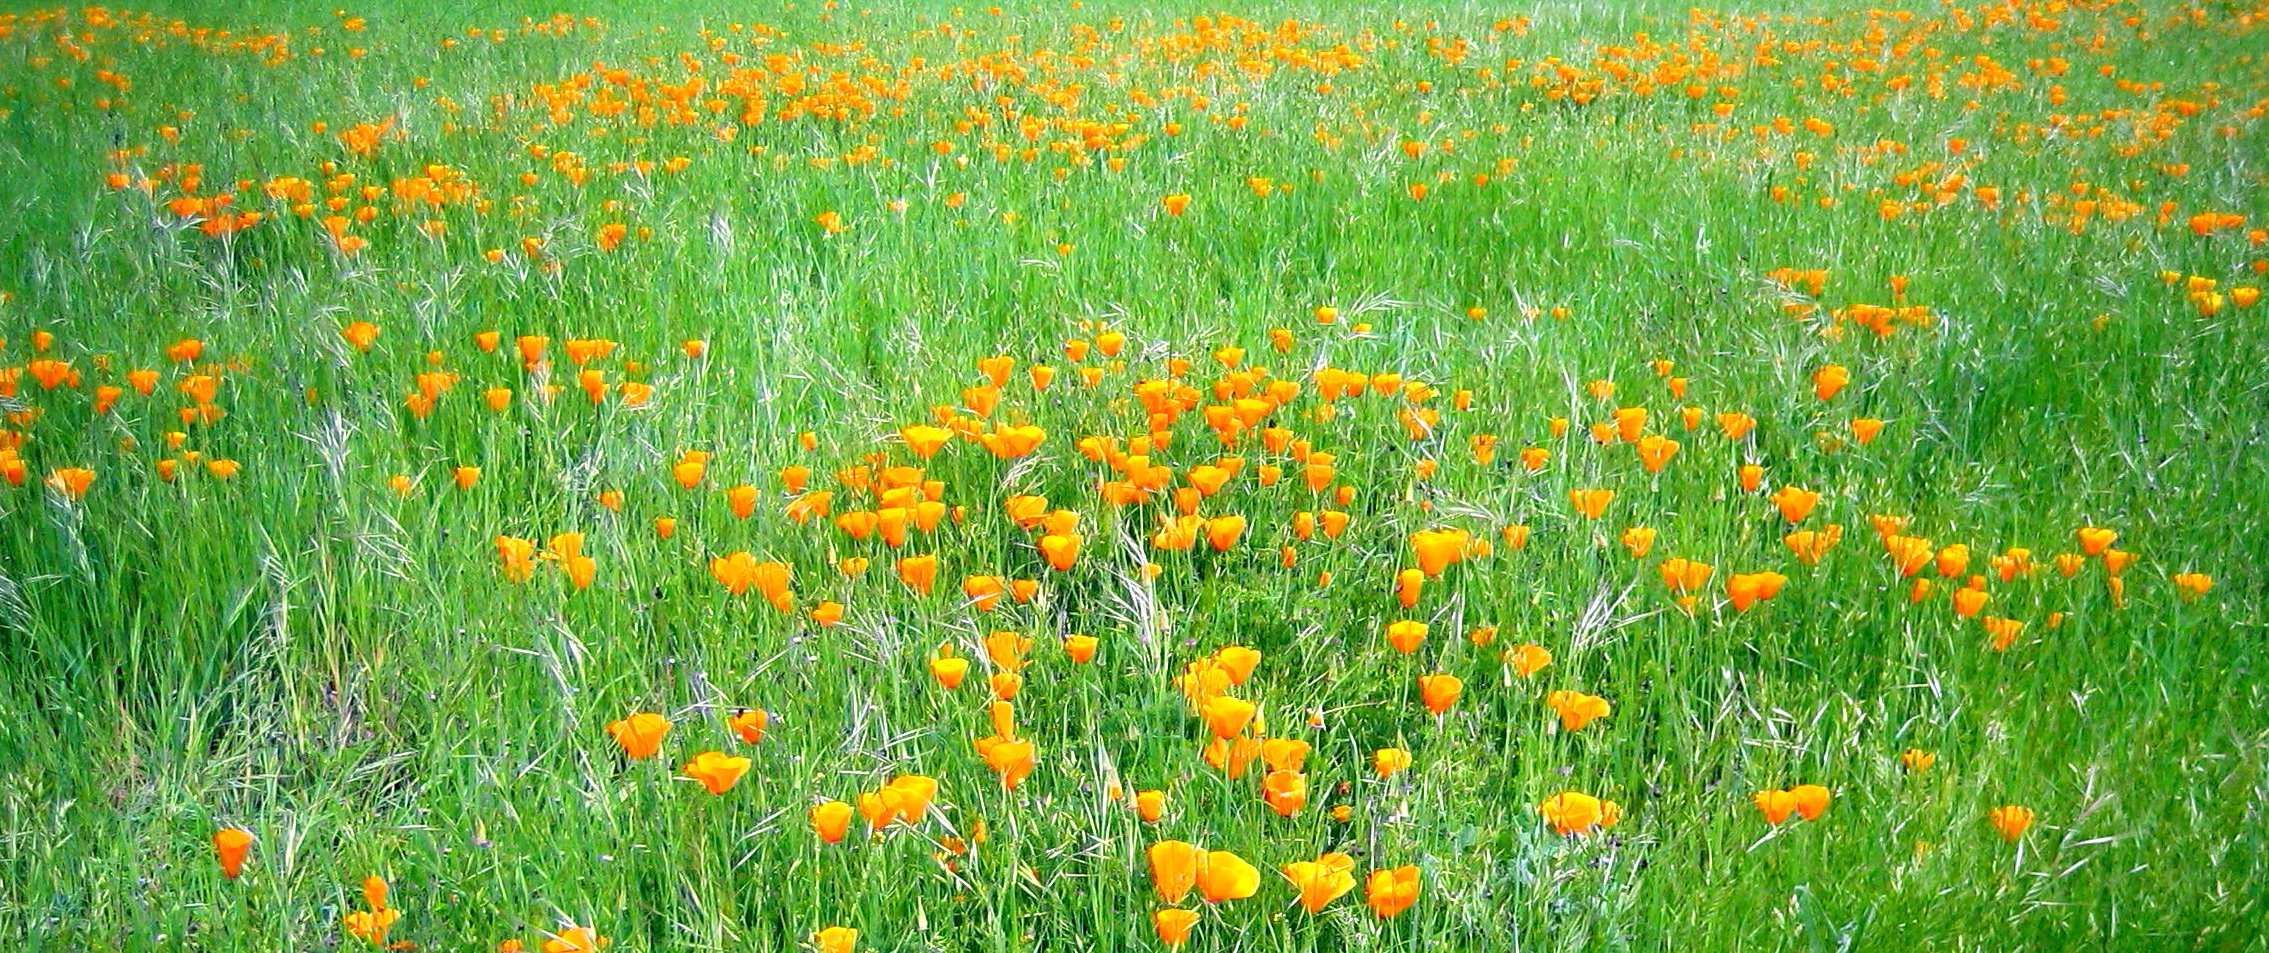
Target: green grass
{"x":344,"y":671}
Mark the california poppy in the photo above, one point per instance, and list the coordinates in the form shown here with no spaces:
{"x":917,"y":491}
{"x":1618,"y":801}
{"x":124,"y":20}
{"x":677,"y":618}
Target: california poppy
{"x":831,"y":821}
{"x":716,"y":770}
{"x":1390,"y":892}
{"x":1439,"y":692}
{"x":1223,"y":876}
{"x":2012,"y":821}
{"x":1577,"y":709}
{"x":1226,"y":717}
{"x":640,"y":735}
{"x":1173,"y":869}
{"x":1321,"y":881}
{"x":231,"y":845}
{"x":1388,"y":762}
{"x":1571,"y":812}
{"x":836,"y":940}
{"x":1527,"y":660}
{"x":1173,"y":925}
{"x":749,"y":724}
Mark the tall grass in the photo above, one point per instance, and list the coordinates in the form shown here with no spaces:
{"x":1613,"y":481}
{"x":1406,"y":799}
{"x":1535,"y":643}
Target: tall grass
{"x":341,"y":669}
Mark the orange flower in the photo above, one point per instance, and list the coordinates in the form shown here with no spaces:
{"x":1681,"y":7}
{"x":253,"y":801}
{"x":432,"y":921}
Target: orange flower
{"x":1655,"y":452}
{"x":1406,"y":635}
{"x":1438,"y":549}
{"x":749,"y":723}
{"x":835,"y":940}
{"x":1174,"y":203}
{"x":947,"y":669}
{"x":1747,"y":589}
{"x":1390,"y":892}
{"x":1174,"y":925}
{"x":1776,"y":805}
{"x":1173,"y":869}
{"x":831,"y":821}
{"x":2094,"y":540}
{"x":231,"y":845}
{"x":1570,"y":812}
{"x":1080,"y":648}
{"x":1237,"y":662}
{"x":1578,"y":709}
{"x":1528,"y":659}
{"x":1591,"y":503}
{"x":1223,"y":876}
{"x":1407,"y":586}
{"x":1811,"y":800}
{"x":575,"y":940}
{"x":1685,"y":576}
{"x":716,"y":770}
{"x":1150,"y":805}
{"x":1795,"y":503}
{"x":1917,"y":760}
{"x":640,"y":735}
{"x":919,"y":573}
{"x":72,"y":482}
{"x":2011,"y":820}
{"x":1439,"y":692}
{"x":1389,"y":762}
{"x":1829,"y":380}
{"x":361,"y":334}
{"x":1285,"y":791}
{"x":1322,"y":880}
{"x":1227,"y":717}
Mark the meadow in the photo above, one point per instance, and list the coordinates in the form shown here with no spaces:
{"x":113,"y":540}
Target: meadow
{"x":1108,"y":475}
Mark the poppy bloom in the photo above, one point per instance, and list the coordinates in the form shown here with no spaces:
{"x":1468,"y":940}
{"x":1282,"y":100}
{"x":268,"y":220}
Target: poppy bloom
{"x":1830,"y":380}
{"x":1776,"y":805}
{"x":749,"y":724}
{"x":948,"y":669}
{"x":919,"y":573}
{"x":836,"y":940}
{"x":1174,"y":203}
{"x":1571,"y":812}
{"x":1795,"y":503}
{"x":2094,"y":540}
{"x":1527,"y":660}
{"x":1438,"y":549}
{"x":1439,"y":692}
{"x":1406,"y":635}
{"x":2011,"y":820}
{"x":716,"y":770}
{"x":640,"y":735}
{"x":575,"y":940}
{"x":831,"y":821}
{"x":1227,"y":717}
{"x":1322,"y":880}
{"x":230,"y":845}
{"x":72,"y":482}
{"x":361,"y":334}
{"x":1173,"y":869}
{"x":1080,"y":648}
{"x":1174,"y":925}
{"x":1150,"y":805}
{"x":1389,"y":762}
{"x":1577,"y":709}
{"x":1591,"y":503}
{"x":1222,"y":876}
{"x":1285,"y":791}
{"x":1390,"y":892}
{"x":1917,"y":760}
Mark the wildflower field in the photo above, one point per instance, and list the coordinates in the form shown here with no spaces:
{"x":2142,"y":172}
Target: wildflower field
{"x":1118,"y":476}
